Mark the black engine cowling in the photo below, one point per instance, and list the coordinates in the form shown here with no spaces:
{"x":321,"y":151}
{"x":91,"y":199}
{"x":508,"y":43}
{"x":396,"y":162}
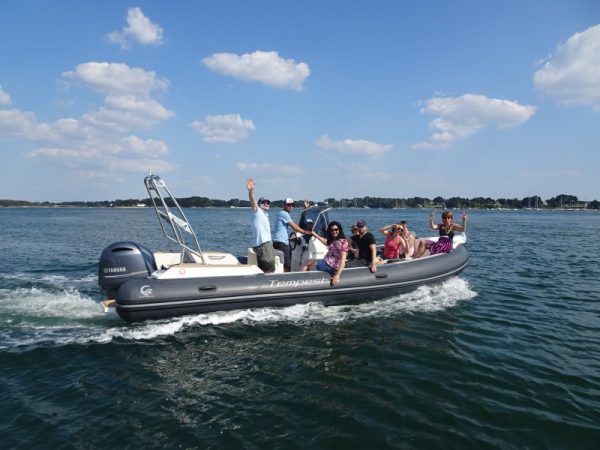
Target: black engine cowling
{"x":123,"y":261}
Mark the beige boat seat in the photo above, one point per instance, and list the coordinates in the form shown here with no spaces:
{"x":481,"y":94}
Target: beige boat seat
{"x":278,"y":259}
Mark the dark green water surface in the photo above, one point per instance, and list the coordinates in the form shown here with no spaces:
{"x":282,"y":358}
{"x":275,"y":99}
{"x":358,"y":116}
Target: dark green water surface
{"x":506,"y":355}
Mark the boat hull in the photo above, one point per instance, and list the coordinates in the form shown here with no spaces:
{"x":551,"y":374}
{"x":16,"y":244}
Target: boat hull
{"x":153,"y":298}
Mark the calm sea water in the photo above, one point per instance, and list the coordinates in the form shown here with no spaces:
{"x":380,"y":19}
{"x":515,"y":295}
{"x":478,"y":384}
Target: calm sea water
{"x":507,"y":355}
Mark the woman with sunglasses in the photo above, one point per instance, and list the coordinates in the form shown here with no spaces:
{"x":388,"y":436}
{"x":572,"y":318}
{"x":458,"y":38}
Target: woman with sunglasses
{"x":334,"y":260}
{"x":446,"y":230}
{"x":394,"y":241}
{"x":410,"y":238}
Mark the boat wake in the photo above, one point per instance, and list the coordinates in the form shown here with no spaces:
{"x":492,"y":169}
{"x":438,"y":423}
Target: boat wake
{"x":51,"y":278}
{"x":22,"y":304}
{"x":34,"y":317}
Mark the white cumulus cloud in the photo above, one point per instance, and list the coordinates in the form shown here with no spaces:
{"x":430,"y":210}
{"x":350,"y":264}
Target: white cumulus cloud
{"x":227,"y":129}
{"x":358,"y":147}
{"x":139,"y":28}
{"x":101,"y":139}
{"x":127,"y":112}
{"x":129,"y":154}
{"x":16,"y":123}
{"x":128,"y":105}
{"x":4,"y":98}
{"x":571,"y":76}
{"x":460,"y":117}
{"x":117,"y":78}
{"x":150,"y":148}
{"x":266,"y":67}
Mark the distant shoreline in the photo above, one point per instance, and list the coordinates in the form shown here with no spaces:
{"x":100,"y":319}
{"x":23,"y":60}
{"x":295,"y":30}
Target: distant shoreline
{"x":560,"y":202}
{"x":247,"y":207}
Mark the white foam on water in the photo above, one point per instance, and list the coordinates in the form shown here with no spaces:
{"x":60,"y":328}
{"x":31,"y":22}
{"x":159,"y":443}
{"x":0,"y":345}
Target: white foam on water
{"x":70,"y":304}
{"x":35,"y":316}
{"x":53,"y":279}
{"x":424,"y":299}
{"x":34,"y":302}
{"x":62,"y":280}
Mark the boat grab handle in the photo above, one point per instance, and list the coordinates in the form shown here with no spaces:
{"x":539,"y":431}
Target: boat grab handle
{"x":208,"y":287}
{"x":381,"y":275}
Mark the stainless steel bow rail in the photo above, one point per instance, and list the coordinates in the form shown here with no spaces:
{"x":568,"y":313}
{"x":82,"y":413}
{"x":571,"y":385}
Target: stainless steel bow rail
{"x":179,"y":230}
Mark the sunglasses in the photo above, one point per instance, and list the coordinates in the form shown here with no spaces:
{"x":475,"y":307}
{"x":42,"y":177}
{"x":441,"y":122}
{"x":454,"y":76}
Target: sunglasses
{"x":334,"y":229}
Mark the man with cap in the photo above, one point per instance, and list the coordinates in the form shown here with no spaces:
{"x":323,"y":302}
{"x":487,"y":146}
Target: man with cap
{"x":280,"y":235}
{"x":367,"y":249}
{"x":261,"y":230}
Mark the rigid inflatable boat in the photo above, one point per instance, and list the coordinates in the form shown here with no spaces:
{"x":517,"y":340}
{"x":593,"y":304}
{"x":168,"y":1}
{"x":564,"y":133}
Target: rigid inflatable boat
{"x":143,"y":285}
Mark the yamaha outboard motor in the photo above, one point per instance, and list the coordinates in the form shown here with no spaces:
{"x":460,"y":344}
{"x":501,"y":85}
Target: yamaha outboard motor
{"x":123,"y":261}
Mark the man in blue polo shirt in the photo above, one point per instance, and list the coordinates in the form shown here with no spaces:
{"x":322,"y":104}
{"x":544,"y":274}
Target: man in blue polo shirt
{"x":280,"y":235}
{"x":261,"y":230}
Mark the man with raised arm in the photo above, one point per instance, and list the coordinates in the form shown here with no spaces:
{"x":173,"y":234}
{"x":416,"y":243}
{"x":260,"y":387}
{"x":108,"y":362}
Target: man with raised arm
{"x":261,"y":230}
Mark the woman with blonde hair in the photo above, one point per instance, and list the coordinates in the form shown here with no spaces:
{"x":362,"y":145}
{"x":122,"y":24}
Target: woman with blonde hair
{"x":411,"y":241}
{"x":394,"y":241}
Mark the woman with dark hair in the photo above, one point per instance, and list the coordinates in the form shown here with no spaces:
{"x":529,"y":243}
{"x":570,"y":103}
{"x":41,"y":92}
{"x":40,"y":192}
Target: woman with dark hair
{"x":334,"y":260}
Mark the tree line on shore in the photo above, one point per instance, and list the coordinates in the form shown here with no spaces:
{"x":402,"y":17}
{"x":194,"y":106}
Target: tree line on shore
{"x":535,"y":202}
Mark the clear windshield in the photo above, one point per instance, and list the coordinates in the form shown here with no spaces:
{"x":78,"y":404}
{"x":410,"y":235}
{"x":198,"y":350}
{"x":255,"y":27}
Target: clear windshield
{"x":315,"y":218}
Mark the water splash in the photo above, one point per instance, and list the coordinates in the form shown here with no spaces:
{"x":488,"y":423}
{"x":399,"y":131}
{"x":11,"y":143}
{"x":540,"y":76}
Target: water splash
{"x":70,"y":311}
{"x":424,"y":299}
{"x":46,"y":303}
{"x":55,"y":279}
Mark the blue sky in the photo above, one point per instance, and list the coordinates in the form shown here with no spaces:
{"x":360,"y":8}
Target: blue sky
{"x":314,"y":99}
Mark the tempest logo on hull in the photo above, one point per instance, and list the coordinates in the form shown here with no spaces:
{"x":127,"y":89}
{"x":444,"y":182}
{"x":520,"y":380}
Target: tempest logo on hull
{"x":299,"y":283}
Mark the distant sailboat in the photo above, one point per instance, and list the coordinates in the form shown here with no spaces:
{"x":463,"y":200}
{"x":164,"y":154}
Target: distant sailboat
{"x":402,"y":205}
